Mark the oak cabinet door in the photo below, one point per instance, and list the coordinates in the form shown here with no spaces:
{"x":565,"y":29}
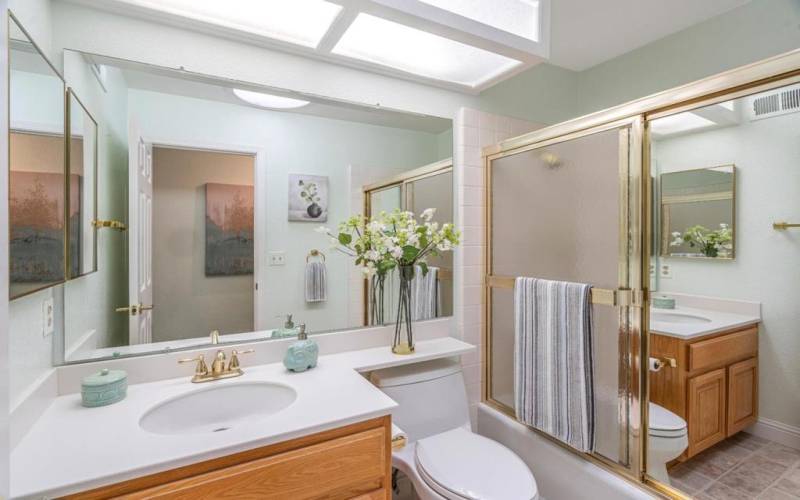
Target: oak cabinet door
{"x":707,"y":410}
{"x":742,"y":395}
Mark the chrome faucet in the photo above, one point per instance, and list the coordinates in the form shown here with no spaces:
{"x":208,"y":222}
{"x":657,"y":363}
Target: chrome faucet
{"x":219,"y":369}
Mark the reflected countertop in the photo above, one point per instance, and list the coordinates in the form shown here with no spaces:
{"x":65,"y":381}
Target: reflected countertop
{"x":71,"y":448}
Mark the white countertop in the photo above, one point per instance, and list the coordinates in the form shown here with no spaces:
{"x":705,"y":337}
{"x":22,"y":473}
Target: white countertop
{"x":717,"y":321}
{"x":71,"y":448}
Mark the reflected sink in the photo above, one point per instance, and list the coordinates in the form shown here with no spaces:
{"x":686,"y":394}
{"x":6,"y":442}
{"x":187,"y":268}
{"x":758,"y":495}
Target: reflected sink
{"x":664,"y":317}
{"x":217,"y":409}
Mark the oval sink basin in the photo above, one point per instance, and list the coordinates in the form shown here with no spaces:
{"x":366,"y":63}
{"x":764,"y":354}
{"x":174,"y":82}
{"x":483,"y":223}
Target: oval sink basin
{"x":217,"y":409}
{"x":677,"y":318}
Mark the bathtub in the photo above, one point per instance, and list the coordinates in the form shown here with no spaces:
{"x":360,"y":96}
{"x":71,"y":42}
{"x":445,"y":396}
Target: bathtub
{"x":560,"y":475}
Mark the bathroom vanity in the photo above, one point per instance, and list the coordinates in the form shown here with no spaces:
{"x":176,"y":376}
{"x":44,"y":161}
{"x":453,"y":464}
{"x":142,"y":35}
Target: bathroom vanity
{"x":709,"y":373}
{"x":353,"y":461}
{"x":270,"y":433}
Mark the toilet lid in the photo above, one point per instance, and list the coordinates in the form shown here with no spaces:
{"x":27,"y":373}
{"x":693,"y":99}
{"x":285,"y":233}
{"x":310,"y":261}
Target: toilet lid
{"x":664,"y":423}
{"x":462,"y":465}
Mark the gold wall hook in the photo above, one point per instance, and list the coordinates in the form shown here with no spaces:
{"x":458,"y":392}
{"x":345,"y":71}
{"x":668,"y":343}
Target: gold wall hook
{"x":111,"y":224}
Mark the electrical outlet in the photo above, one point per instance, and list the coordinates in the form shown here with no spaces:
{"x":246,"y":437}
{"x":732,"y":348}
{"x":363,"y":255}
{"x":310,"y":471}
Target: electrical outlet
{"x":48,"y":317}
{"x":277,"y":258}
{"x":652,"y":269}
{"x":665,"y":271}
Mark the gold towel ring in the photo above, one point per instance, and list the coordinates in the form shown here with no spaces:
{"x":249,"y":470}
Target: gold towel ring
{"x":315,"y":253}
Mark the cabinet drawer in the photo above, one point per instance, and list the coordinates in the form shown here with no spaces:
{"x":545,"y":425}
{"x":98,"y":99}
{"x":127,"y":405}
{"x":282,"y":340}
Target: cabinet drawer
{"x":723,"y":350}
{"x":346,"y":467}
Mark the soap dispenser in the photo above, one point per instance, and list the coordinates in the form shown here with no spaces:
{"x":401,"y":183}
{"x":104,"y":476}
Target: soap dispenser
{"x":288,"y":329}
{"x":303,"y":354}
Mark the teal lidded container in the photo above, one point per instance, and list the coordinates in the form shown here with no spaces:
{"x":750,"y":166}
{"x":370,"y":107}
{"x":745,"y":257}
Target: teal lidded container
{"x":664,"y":302}
{"x":104,"y":388}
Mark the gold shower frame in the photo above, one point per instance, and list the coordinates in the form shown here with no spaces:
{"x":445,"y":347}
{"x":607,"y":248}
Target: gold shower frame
{"x":757,"y":77}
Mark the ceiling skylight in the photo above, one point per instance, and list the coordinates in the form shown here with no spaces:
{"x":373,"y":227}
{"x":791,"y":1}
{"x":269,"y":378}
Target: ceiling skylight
{"x":268,"y":100}
{"x":682,"y":122}
{"x":520,"y":17}
{"x":303,"y":22}
{"x":400,"y":47}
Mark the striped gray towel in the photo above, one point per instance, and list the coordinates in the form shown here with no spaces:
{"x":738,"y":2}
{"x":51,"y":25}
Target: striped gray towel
{"x":553,"y":372}
{"x":316,"y":282}
{"x":425,"y":294}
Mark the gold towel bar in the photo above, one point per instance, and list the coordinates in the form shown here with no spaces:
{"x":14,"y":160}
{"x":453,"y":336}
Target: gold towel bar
{"x":600,"y":296}
{"x":780,"y":226}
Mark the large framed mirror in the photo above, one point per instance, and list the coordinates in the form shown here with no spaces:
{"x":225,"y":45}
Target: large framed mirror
{"x":38,"y":200}
{"x":82,"y":192}
{"x":218,"y":190}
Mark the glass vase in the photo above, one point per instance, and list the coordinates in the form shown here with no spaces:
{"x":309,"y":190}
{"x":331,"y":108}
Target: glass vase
{"x":376,"y":303}
{"x":403,"y":330}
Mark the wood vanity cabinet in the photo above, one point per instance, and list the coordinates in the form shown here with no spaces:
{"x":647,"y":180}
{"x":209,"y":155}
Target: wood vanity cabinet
{"x":714,"y":386}
{"x":344,"y":463}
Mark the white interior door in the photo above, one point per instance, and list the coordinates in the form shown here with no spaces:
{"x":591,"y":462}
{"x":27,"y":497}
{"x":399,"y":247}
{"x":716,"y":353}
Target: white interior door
{"x":140,"y":240}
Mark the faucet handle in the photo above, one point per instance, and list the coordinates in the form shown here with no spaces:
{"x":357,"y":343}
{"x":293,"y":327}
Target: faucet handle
{"x":201,"y":368}
{"x":233,"y":364}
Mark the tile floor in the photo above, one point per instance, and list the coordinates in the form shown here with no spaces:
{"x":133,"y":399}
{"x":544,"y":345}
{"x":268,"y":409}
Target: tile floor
{"x":743,"y":467}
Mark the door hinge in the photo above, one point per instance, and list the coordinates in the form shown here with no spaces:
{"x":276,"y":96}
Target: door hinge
{"x":625,"y":297}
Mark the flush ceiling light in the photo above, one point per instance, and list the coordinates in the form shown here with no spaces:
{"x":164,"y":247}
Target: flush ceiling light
{"x":520,"y":17}
{"x":681,"y":122}
{"x":397,"y":46}
{"x":268,"y":100}
{"x":303,"y":22}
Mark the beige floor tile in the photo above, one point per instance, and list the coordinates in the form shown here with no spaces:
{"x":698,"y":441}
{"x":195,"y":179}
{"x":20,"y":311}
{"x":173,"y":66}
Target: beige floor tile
{"x":790,"y":481}
{"x":776,"y":494}
{"x":719,"y":491}
{"x":780,"y":454}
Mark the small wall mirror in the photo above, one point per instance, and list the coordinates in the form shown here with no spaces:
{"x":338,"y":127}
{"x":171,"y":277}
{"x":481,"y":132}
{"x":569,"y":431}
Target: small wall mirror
{"x":82,"y":132}
{"x":698,"y":213}
{"x":37,"y":197}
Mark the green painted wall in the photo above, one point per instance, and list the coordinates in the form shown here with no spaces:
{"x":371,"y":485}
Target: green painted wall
{"x":548,"y":94}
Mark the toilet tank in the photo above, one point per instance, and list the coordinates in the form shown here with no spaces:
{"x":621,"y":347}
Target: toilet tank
{"x":431,"y":396}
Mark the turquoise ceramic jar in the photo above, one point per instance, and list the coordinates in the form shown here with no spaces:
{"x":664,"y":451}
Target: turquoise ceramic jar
{"x":104,"y":388}
{"x":303,"y":354}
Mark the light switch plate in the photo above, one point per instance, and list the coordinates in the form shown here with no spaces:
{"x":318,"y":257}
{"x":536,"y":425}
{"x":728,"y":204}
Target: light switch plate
{"x":48,"y":317}
{"x":277,"y":258}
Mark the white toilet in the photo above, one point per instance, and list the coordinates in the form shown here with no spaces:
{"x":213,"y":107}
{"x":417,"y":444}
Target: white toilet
{"x":668,"y":439}
{"x":444,"y":459}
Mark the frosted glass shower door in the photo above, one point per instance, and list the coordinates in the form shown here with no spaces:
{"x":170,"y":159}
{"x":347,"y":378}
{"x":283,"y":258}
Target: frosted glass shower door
{"x":561,"y":210}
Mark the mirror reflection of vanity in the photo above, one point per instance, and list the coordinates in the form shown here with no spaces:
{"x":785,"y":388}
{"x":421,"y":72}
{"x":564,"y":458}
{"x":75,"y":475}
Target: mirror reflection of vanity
{"x":207,"y":202}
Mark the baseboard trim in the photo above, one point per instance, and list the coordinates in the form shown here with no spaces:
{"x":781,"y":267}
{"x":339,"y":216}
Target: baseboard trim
{"x":787,"y":435}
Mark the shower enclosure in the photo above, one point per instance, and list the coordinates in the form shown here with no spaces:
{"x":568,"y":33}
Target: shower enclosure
{"x":568,"y":207}
{"x":574,"y":202}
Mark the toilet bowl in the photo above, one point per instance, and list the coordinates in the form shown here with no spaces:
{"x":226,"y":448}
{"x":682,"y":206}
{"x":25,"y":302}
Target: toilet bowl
{"x":668,"y":438}
{"x":444,"y":459}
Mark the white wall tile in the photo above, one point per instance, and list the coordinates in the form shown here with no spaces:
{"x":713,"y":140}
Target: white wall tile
{"x":472,"y":195}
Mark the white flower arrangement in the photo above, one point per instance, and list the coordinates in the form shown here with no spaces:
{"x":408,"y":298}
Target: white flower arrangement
{"x":718,"y":243}
{"x":392,"y":240}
